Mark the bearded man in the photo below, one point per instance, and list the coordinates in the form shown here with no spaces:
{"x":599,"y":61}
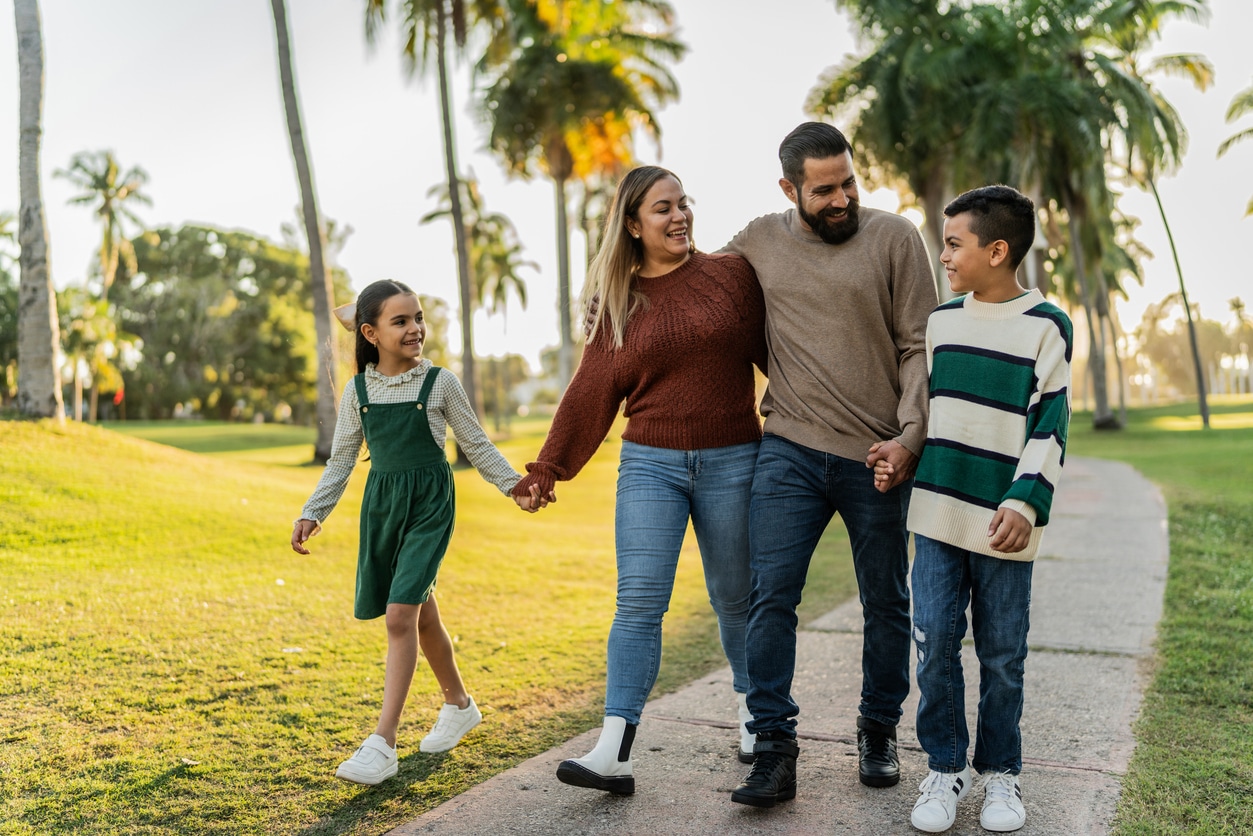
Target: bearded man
{"x":848,"y":290}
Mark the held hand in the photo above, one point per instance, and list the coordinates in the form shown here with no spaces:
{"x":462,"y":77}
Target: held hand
{"x":535,"y":500}
{"x":301,"y":533}
{"x":901,"y":464}
{"x":1010,"y":531}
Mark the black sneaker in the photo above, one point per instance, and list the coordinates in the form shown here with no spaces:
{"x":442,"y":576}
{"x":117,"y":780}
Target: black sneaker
{"x":773,"y":776}
{"x":877,"y":762}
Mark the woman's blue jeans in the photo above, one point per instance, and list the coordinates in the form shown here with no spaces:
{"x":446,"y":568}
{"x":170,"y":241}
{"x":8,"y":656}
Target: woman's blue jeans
{"x":659,"y":490}
{"x":946,"y":579}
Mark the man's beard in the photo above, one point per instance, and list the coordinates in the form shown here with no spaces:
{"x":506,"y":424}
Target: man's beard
{"x":838,"y":233}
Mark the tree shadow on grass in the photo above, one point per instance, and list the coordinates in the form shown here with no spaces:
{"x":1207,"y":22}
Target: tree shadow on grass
{"x":414,"y":769}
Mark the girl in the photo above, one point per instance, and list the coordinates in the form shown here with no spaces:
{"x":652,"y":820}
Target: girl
{"x":675,"y":336}
{"x":401,"y":404}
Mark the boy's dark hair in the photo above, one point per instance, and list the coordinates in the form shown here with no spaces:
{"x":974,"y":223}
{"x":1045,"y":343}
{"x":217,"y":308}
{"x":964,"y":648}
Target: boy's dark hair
{"x":810,"y":141}
{"x":998,"y":213}
{"x":369,"y":307}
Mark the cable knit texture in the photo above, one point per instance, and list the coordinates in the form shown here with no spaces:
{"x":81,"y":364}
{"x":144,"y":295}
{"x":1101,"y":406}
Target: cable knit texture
{"x":685,"y":371}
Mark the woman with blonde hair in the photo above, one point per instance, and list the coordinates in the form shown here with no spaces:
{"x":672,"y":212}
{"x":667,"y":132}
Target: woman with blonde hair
{"x":674,"y":337}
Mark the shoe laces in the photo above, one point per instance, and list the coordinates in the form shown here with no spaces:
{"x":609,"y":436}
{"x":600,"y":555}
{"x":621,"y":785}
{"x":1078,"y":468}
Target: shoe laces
{"x":766,"y":763}
{"x":874,"y":744}
{"x":998,"y":787}
{"x":938,"y":786}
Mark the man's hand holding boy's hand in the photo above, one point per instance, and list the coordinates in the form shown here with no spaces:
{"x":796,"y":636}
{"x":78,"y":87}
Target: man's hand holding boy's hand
{"x":1010,"y":531}
{"x":892,"y":463}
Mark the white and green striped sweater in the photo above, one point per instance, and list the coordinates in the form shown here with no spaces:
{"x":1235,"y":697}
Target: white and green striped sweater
{"x":1000,"y":410}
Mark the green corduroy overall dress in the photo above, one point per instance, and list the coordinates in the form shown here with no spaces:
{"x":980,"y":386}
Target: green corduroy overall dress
{"x":409,"y":503}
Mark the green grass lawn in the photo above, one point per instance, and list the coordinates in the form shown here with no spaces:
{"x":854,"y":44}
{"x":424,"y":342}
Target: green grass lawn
{"x":171,"y":666}
{"x":1192,"y":771}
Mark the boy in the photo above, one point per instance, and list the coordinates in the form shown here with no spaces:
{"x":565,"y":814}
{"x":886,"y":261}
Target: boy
{"x":999,"y":364}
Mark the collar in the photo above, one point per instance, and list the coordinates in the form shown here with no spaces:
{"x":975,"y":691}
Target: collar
{"x":372,"y":373}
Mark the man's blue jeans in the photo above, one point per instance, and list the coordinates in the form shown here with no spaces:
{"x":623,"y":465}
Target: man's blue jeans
{"x":658,"y":491}
{"x":796,"y":491}
{"x":998,"y":591}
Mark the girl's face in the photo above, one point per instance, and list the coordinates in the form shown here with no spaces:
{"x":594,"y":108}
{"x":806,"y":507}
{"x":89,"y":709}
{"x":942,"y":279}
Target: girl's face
{"x":664,"y":222}
{"x":399,"y":333}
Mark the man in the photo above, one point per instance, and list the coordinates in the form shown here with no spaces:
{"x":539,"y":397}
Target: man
{"x":848,"y":291}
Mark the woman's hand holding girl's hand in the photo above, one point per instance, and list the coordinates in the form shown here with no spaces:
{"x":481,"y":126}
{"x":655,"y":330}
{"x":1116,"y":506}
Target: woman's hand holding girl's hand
{"x":535,"y":501}
{"x":303,"y":531}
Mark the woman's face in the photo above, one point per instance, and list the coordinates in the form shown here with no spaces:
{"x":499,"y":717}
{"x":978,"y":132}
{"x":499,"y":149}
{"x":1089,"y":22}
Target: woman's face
{"x":663,"y":223}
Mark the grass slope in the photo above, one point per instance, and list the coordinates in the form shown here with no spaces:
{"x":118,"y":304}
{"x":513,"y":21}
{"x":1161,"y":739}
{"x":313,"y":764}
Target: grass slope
{"x":172,"y":667}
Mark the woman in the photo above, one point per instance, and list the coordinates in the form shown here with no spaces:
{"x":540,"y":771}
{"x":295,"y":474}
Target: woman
{"x":675,"y":335}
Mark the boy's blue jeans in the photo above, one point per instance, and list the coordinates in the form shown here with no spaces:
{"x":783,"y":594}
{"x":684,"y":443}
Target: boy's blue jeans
{"x":658,"y":491}
{"x":945,"y":580}
{"x":796,"y":491}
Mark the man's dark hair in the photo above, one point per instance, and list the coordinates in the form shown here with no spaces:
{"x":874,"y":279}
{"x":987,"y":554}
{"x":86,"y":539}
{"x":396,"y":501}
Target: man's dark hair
{"x":810,"y":141}
{"x":998,"y":213}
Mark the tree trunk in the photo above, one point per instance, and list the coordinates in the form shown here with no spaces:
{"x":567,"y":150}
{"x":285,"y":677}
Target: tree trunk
{"x":565,"y":353}
{"x":319,"y":278}
{"x":1202,"y":400}
{"x":1102,"y":417}
{"x":466,"y":286}
{"x":39,"y":379}
{"x":933,"y":233}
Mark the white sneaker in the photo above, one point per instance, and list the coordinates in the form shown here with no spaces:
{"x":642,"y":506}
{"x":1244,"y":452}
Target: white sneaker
{"x":372,"y":763}
{"x":936,"y":807}
{"x":450,"y":727}
{"x":1002,"y":803}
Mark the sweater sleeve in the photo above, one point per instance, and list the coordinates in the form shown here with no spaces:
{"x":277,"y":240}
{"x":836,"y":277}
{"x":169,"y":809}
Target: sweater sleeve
{"x":913,"y":299}
{"x":345,"y":448}
{"x":1048,"y":423}
{"x":584,"y":416}
{"x":470,"y":436}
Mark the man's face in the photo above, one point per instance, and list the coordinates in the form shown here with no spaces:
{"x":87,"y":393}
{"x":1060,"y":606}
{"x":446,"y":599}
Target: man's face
{"x":827,"y":198}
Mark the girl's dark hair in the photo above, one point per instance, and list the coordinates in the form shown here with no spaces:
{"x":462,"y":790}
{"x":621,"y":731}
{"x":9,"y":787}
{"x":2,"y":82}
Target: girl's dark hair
{"x":369,"y":307}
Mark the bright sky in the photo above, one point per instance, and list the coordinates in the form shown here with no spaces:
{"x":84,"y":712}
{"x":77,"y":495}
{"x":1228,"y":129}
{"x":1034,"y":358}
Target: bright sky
{"x":190,"y":92}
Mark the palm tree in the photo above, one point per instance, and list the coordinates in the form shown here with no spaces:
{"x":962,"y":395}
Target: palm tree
{"x":426,"y":30}
{"x":579,"y":81}
{"x":1240,"y":106}
{"x":103,"y":183}
{"x":319,"y":277}
{"x":39,"y":379}
{"x":494,"y":248}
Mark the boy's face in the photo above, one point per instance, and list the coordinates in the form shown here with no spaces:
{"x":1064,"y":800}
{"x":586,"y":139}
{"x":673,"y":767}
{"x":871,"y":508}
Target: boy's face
{"x":970,"y":267}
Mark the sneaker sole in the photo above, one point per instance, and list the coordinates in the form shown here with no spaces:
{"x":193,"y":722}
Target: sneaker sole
{"x":577,"y":775}
{"x":753,"y":799}
{"x":436,"y":748}
{"x":879,"y":781}
{"x":365,"y":780}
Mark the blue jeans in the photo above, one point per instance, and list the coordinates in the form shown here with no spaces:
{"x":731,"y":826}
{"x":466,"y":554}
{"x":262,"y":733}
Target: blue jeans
{"x":658,"y":491}
{"x":796,"y":491}
{"x":946,"y":580}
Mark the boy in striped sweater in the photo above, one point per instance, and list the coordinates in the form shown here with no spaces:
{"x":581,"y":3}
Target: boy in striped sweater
{"x":999,"y":365}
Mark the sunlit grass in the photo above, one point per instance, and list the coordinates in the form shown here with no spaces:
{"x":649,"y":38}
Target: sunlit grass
{"x":1192,"y":771}
{"x":171,"y":666}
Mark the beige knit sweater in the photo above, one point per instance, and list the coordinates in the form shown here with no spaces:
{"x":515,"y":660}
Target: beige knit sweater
{"x":846,"y":329}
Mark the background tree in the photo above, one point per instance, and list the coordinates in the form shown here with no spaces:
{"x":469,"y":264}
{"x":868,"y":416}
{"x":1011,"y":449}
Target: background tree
{"x":39,"y":382}
{"x":425,"y":27}
{"x":1241,"y":105}
{"x":224,"y":321}
{"x":578,"y":77}
{"x":319,"y":278}
{"x":111,"y":192}
{"x":8,"y":308}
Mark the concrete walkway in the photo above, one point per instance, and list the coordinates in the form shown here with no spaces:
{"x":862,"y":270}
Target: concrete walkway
{"x":1097,"y":597}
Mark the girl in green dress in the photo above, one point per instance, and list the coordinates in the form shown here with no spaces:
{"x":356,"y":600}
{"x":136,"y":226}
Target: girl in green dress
{"x":400,"y":405}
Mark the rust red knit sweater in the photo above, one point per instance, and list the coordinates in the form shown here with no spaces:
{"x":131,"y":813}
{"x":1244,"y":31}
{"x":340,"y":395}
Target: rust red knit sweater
{"x":685,"y":371}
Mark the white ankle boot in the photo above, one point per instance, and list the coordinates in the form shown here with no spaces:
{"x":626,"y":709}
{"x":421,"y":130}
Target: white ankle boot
{"x":747,"y":739}
{"x":608,"y":766}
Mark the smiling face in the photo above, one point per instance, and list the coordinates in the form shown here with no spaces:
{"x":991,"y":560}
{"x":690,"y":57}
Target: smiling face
{"x":398,"y":334}
{"x":827,"y":200}
{"x":663,"y":225}
{"x":967,"y":264}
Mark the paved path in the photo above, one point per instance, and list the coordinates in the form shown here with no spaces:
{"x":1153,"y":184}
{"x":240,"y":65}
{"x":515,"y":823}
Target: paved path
{"x":1097,"y":597}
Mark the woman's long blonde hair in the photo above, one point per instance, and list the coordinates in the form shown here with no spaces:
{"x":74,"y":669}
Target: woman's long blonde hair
{"x":610,"y":281}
